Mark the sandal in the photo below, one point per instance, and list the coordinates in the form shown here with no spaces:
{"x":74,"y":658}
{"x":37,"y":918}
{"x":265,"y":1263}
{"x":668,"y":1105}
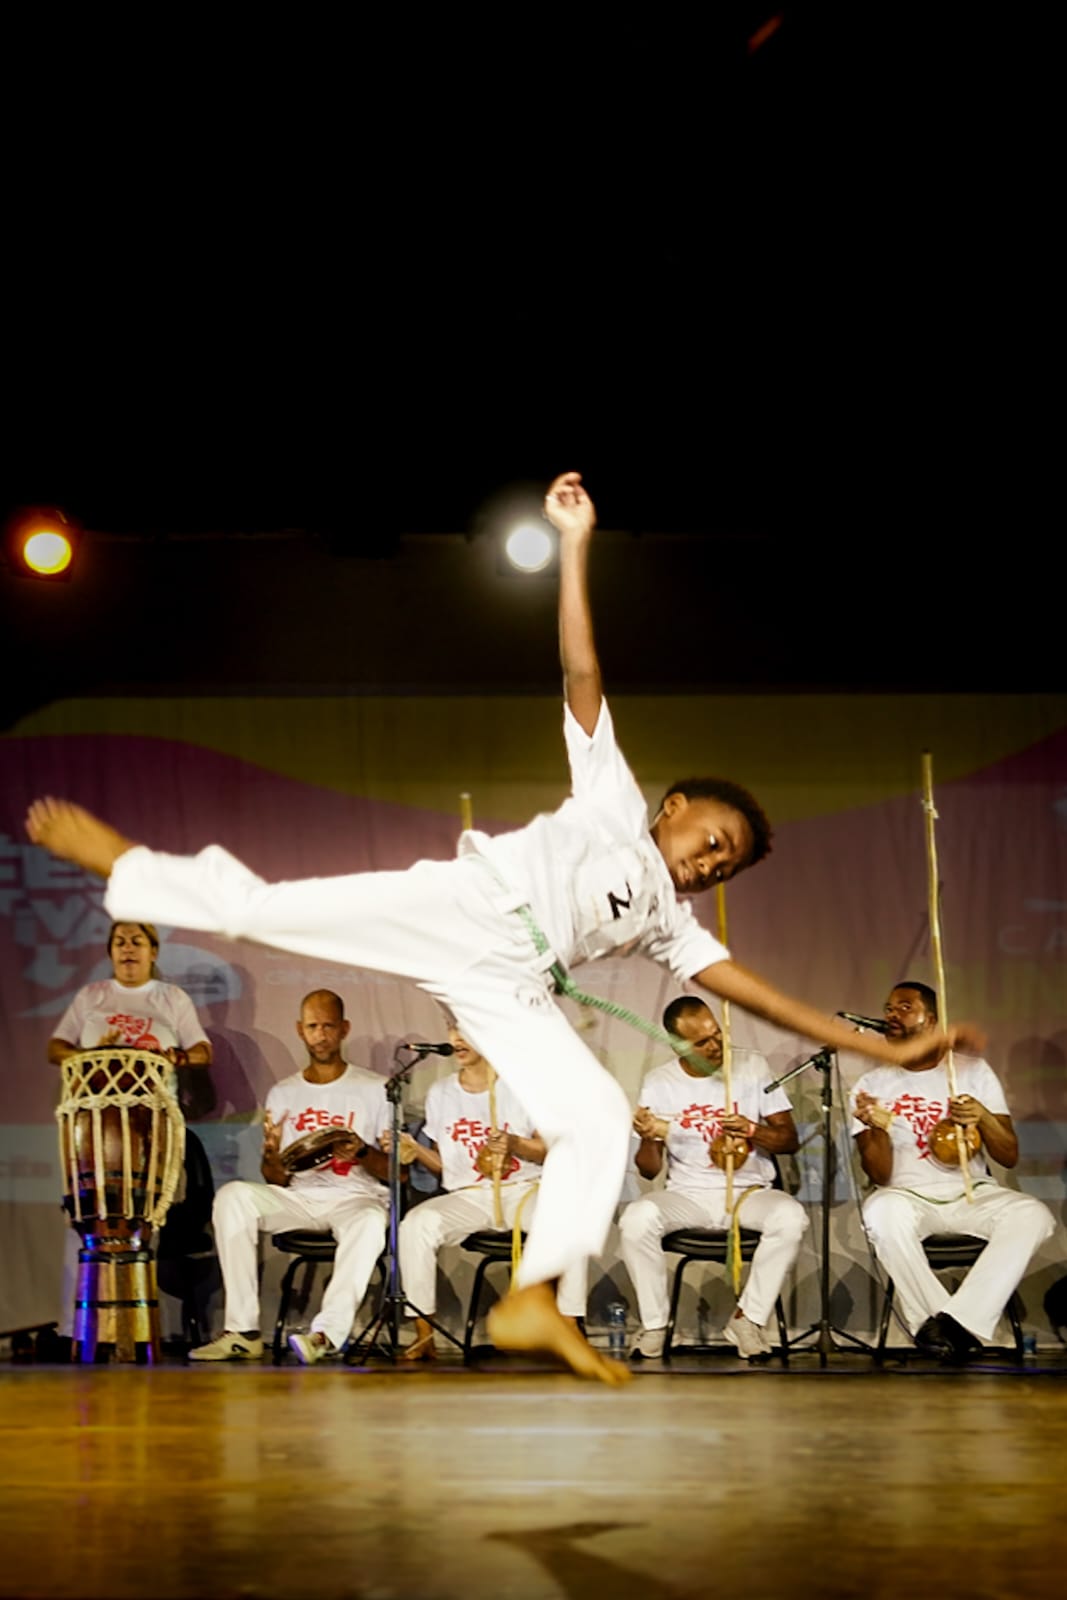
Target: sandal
{"x":420,"y":1349}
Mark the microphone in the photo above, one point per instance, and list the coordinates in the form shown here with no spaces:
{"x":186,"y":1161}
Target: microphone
{"x":432,"y":1049}
{"x":875,"y":1024}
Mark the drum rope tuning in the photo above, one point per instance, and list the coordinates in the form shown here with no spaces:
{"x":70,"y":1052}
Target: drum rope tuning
{"x":96,"y":1081}
{"x":122,"y":1149}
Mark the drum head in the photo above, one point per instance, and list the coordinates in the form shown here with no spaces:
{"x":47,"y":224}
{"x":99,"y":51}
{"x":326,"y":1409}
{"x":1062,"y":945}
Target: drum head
{"x":313,"y":1149}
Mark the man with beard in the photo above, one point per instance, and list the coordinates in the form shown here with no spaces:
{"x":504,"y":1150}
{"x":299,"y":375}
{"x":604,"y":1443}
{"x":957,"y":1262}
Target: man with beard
{"x":895,"y":1109}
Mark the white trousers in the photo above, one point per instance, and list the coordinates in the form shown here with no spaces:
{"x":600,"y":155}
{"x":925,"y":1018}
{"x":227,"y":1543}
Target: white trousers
{"x":778,"y":1217}
{"x":448,"y":927}
{"x":1015,"y":1225}
{"x":243,"y":1211}
{"x":448,"y":1218}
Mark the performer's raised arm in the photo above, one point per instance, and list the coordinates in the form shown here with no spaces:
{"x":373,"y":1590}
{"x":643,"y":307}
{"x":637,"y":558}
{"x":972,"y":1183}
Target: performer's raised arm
{"x":730,"y":981}
{"x":572,"y":513}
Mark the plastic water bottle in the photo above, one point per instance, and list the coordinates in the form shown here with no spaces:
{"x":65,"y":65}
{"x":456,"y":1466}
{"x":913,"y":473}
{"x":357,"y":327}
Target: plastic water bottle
{"x":1029,"y":1345}
{"x":617,"y":1328}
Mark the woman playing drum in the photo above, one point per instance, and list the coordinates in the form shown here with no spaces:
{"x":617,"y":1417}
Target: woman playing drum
{"x":132,"y":1010}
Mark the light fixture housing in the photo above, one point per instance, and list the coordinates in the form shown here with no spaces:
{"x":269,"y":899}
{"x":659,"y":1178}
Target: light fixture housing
{"x":41,"y":542}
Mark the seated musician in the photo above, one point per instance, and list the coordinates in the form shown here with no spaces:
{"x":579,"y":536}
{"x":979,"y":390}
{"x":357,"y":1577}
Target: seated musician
{"x":682,"y":1116}
{"x":897,"y":1112}
{"x":343,"y":1196}
{"x":465,"y":1154}
{"x":132,"y":1010}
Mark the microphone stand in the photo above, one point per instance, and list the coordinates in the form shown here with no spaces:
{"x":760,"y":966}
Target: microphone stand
{"x":394,"y":1302}
{"x":824,"y":1329}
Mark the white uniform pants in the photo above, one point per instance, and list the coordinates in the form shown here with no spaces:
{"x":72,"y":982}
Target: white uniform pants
{"x":1015,"y":1225}
{"x":449,"y":928}
{"x":778,"y":1217}
{"x":448,"y":1218}
{"x":245,"y":1210}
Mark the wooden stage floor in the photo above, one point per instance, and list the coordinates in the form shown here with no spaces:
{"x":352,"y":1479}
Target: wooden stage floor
{"x":509,"y":1483}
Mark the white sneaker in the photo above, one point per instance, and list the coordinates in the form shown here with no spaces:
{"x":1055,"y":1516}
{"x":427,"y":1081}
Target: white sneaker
{"x":747,"y":1338}
{"x":228,"y":1347}
{"x":648,"y":1346}
{"x":311,"y":1347}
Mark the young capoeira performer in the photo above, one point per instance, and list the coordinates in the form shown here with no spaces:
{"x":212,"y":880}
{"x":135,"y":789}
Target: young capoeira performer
{"x":593,"y":876}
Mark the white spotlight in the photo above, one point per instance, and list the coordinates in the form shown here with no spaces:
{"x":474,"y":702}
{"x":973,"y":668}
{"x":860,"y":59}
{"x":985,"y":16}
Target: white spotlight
{"x":529,"y":547}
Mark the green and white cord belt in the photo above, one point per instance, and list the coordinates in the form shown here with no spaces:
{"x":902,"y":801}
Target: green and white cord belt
{"x":564,"y":984}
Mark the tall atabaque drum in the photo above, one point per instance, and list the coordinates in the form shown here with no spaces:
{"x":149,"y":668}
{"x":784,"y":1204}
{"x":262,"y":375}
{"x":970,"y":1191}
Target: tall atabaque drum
{"x":121,"y":1151}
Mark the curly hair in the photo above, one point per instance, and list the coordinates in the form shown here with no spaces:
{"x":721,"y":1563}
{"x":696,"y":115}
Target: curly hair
{"x":732,"y":794}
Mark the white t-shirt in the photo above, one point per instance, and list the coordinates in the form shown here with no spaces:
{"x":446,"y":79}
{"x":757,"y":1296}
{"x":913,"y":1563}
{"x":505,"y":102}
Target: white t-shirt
{"x":458,"y":1122}
{"x":919,"y":1101}
{"x":152,"y":1016}
{"x":696,"y":1107}
{"x":591,"y":871}
{"x":355,"y":1100}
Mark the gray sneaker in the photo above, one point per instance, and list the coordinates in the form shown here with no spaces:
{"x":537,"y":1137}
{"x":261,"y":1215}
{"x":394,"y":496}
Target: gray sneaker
{"x":311,"y":1347}
{"x":229,"y":1347}
{"x":648,"y":1346}
{"x":747,"y":1338}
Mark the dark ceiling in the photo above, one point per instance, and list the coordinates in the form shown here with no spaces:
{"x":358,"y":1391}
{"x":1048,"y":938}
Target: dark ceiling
{"x":338,"y":292}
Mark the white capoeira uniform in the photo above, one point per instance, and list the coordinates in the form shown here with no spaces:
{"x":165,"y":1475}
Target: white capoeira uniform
{"x":925,"y":1197}
{"x":341,"y":1198}
{"x":458,"y":1122}
{"x":594,"y":880}
{"x":695,"y":1193}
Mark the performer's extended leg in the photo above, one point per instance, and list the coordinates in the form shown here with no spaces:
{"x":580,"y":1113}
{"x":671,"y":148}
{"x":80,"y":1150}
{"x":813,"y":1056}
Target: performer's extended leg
{"x":441,"y":924}
{"x":584,"y":1118}
{"x":572,"y":1290}
{"x":74,"y":834}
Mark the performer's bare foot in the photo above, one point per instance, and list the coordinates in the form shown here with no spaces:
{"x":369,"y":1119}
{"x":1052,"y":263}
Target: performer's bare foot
{"x":74,"y":834}
{"x":529,"y":1319}
{"x":422,"y":1347}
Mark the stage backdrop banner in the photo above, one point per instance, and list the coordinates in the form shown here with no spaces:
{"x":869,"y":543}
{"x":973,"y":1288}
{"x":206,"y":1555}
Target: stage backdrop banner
{"x":309,"y":787}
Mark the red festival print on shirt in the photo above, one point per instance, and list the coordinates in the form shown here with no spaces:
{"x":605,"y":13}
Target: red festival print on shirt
{"x":921,"y":1115}
{"x":134,"y":1033}
{"x":472,"y":1134}
{"x":705,"y":1120}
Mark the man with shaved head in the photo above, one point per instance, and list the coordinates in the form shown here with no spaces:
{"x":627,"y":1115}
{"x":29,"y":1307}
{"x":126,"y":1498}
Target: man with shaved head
{"x":343,"y":1195}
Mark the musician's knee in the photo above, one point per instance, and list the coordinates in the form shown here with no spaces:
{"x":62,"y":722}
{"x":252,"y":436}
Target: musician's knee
{"x":1026,"y":1215}
{"x":640,"y":1221}
{"x":889,"y":1214}
{"x":791,"y":1221}
{"x":234,"y":1203}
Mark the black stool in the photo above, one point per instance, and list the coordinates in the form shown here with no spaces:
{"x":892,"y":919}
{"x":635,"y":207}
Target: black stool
{"x":707,"y":1244}
{"x":492,"y":1246}
{"x":942,"y":1251}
